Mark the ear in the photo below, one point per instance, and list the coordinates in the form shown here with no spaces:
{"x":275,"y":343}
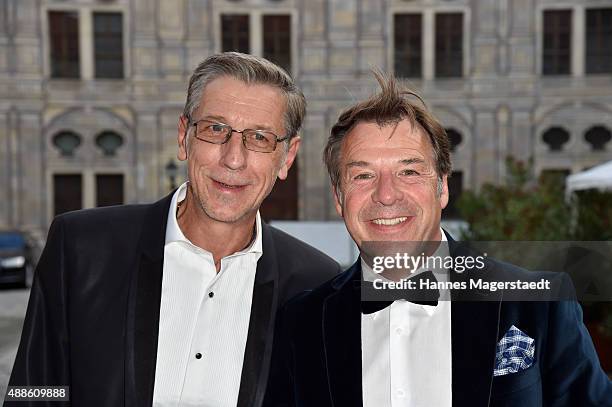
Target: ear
{"x":444,"y":194}
{"x":183,"y":130}
{"x":337,"y":202}
{"x":294,"y":146}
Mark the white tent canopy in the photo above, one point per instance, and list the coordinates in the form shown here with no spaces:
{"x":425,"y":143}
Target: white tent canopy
{"x":598,"y":177}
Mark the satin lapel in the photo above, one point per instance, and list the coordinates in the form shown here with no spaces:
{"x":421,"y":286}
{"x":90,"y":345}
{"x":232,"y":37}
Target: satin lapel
{"x":258,"y":350}
{"x":474,"y":329}
{"x":474,"y":337}
{"x":342,"y":341}
{"x":143,"y":308}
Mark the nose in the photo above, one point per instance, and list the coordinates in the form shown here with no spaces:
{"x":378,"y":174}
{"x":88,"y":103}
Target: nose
{"x":233,"y":153}
{"x":386,"y":192}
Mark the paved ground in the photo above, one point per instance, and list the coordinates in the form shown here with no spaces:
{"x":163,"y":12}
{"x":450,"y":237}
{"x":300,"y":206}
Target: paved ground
{"x":13,"y":303}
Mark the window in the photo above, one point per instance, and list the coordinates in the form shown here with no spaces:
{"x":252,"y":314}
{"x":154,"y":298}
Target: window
{"x":67,"y":193}
{"x":109,"y":142}
{"x":66,"y":142}
{"x":455,"y":188}
{"x":449,"y":45}
{"x":599,"y":40}
{"x":455,"y":138}
{"x":555,"y":137}
{"x":282,"y":203}
{"x":108,"y":45}
{"x":598,"y":137}
{"x":277,"y":40}
{"x":64,"y":44}
{"x":555,"y":176}
{"x":109,"y":189}
{"x":556,"y":47}
{"x":407,"y":35}
{"x":235,"y":33}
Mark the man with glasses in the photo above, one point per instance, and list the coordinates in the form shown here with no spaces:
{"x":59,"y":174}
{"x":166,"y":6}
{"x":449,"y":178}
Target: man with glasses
{"x":174,"y":303}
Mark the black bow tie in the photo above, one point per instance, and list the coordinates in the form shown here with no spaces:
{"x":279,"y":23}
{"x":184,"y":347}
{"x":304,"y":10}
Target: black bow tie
{"x":417,"y":296}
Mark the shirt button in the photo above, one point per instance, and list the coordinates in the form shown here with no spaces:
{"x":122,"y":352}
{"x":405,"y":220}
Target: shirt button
{"x":399,"y":331}
{"x":504,"y":360}
{"x":211,"y":294}
{"x":198,"y":355}
{"x":400,"y":393}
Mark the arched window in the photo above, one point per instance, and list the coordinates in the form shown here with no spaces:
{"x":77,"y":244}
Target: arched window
{"x":109,"y":141}
{"x":555,"y":137}
{"x":597,"y":137}
{"x":455,"y":138}
{"x":66,"y":142}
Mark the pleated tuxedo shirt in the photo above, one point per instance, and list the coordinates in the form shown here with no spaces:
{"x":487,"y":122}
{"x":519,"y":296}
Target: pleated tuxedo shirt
{"x":204,"y":319}
{"x":406,"y":349}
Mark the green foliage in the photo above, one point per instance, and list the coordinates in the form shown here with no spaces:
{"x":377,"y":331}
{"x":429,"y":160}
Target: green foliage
{"x":526,"y":209}
{"x":523,"y":209}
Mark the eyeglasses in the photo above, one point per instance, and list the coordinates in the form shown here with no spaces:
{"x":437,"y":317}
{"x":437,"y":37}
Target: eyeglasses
{"x":261,"y":141}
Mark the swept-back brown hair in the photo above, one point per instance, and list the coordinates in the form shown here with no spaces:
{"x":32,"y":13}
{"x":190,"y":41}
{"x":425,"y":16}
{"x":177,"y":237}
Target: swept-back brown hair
{"x":389,"y":106}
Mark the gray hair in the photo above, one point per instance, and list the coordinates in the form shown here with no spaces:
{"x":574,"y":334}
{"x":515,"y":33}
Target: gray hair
{"x":251,"y":70}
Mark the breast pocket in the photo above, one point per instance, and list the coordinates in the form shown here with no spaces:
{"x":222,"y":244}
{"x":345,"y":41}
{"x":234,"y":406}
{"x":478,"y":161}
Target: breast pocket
{"x":523,"y":388}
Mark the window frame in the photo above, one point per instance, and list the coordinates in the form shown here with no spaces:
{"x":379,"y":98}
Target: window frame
{"x":571,"y":44}
{"x":578,"y":39}
{"x":122,"y":33}
{"x":51,"y":41}
{"x":428,"y":13}
{"x":86,"y":42}
{"x":420,"y":53}
{"x":256,"y":29}
{"x":586,"y":39}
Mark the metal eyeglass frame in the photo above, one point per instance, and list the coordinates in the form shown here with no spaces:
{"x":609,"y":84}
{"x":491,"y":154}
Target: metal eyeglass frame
{"x":232,"y":131}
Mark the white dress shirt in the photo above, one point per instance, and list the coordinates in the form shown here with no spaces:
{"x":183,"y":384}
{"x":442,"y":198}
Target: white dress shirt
{"x":406,"y":350}
{"x":204,"y":320}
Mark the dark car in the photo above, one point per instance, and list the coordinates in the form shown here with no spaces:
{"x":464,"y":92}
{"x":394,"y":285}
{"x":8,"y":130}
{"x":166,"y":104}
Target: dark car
{"x":15,"y":259}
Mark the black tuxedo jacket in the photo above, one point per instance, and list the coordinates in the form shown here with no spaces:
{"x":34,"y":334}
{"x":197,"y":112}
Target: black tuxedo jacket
{"x":93,"y":315}
{"x":317,"y":353}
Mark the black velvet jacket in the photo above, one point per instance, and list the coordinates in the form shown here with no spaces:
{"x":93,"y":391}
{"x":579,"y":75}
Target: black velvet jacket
{"x":93,"y":314}
{"x":317,"y":353}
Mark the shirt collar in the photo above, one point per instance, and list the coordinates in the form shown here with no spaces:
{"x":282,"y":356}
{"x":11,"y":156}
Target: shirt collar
{"x":175,"y":234}
{"x":441,"y":275}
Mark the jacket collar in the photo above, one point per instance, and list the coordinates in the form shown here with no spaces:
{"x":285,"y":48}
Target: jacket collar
{"x":143,"y":307}
{"x":258,"y":350}
{"x":342,"y":338}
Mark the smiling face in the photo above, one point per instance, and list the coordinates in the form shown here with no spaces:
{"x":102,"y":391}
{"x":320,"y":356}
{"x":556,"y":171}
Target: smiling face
{"x":388,"y":184}
{"x":228,"y":181}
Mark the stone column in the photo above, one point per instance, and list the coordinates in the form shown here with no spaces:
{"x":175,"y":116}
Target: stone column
{"x":31,"y":185}
{"x":6,"y":203}
{"x":486,"y":138}
{"x":342,"y":28}
{"x":148,"y":167}
{"x":313,"y":182}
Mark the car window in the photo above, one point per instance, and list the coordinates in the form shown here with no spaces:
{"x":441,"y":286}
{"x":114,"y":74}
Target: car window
{"x":11,"y":240}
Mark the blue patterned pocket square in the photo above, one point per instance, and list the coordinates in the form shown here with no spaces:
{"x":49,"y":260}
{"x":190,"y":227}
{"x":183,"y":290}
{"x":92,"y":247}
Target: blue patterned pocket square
{"x":514,"y":352}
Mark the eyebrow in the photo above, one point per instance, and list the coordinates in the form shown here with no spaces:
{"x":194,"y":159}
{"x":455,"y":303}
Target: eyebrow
{"x":409,"y":161}
{"x":223,"y":120}
{"x":406,"y":161}
{"x":357,"y":164}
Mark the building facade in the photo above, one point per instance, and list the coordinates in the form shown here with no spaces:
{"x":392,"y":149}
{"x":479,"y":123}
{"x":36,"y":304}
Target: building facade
{"x":91,"y":90}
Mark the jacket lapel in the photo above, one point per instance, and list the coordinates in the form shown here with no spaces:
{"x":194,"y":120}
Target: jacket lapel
{"x":258,"y":350}
{"x":143,"y":307}
{"x":342,"y":339}
{"x":474,"y":331}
